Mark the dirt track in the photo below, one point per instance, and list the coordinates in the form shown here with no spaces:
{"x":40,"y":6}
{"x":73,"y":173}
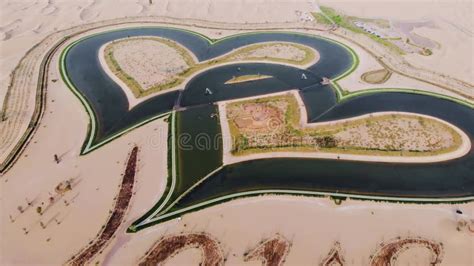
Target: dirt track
{"x":118,"y":213}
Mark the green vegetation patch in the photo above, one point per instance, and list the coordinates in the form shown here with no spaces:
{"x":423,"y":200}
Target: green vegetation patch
{"x":347,"y":22}
{"x":377,"y":76}
{"x":245,"y":78}
{"x":321,"y":18}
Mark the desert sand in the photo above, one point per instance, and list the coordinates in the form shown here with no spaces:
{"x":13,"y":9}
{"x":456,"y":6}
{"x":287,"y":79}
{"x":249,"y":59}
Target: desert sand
{"x":453,"y":30}
{"x":20,"y":27}
{"x":311,"y":224}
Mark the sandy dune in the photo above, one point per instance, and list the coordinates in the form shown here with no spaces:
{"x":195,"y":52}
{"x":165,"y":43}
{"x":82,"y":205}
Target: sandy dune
{"x":20,"y":27}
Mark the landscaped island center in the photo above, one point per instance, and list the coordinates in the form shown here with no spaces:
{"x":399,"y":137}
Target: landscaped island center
{"x":274,"y":124}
